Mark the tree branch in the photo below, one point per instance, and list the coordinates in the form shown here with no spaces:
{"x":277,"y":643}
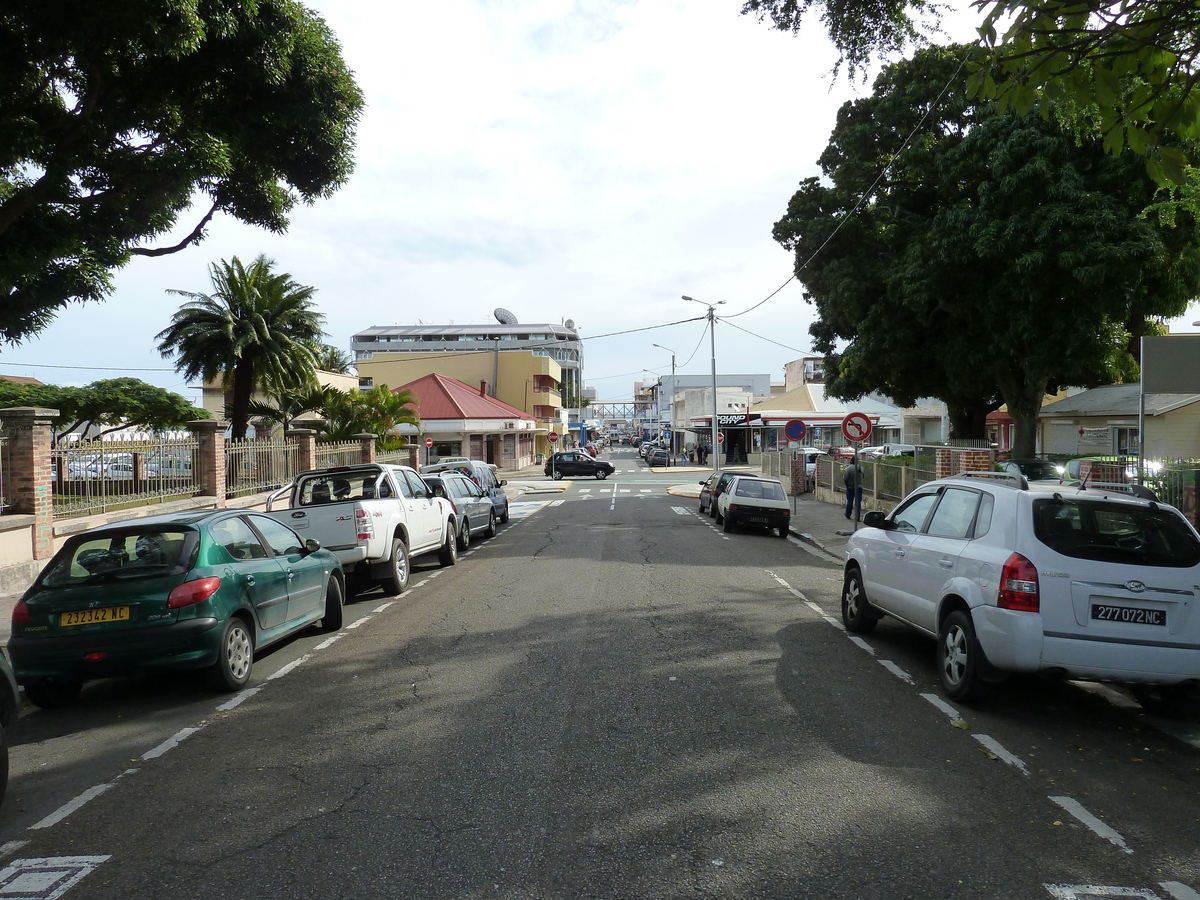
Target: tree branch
{"x":192,"y":238}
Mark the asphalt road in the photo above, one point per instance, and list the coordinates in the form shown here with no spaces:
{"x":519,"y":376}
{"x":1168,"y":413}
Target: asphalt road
{"x":610,"y":699}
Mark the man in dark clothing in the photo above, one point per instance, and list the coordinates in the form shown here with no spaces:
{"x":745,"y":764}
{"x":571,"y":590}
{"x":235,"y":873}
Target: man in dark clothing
{"x":852,"y":478}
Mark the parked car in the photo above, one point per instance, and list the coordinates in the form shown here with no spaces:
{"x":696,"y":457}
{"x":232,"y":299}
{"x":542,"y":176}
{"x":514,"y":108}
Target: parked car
{"x":476,"y":514}
{"x":1033,"y":469}
{"x":660,"y":456}
{"x":753,"y":500}
{"x":711,"y":489}
{"x":10,"y":711}
{"x":811,"y":456}
{"x":483,"y":474}
{"x":197,"y":590}
{"x":1013,"y":577}
{"x":577,"y":463}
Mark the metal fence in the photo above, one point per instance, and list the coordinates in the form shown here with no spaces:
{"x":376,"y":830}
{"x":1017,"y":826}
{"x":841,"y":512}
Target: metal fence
{"x":99,"y":476}
{"x":348,"y":453}
{"x":255,"y":466}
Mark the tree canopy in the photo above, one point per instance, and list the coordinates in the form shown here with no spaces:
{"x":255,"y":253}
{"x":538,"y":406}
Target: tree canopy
{"x":997,"y":257}
{"x":116,"y":115}
{"x":256,"y":330}
{"x":110,"y":404}
{"x":1125,"y":66}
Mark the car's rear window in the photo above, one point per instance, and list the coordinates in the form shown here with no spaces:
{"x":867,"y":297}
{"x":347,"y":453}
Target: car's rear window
{"x":1116,"y":532}
{"x":129,"y":553}
{"x":766,"y":490}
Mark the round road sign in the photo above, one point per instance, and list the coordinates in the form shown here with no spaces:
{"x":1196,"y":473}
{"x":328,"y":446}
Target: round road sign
{"x":856,"y":427}
{"x":794,"y":430}
{"x":720,"y":437}
{"x":428,"y":442}
{"x":552,"y":437}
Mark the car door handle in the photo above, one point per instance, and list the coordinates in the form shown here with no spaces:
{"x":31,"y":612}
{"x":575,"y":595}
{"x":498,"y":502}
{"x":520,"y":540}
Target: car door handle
{"x":249,"y":579}
{"x":291,"y":574}
{"x":900,"y":553}
{"x":946,"y":563}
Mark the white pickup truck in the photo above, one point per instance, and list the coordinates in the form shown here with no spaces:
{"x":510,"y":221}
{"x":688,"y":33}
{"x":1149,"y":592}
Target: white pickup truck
{"x":373,"y":516}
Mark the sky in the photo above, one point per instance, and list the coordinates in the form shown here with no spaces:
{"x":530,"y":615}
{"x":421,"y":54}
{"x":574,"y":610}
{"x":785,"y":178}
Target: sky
{"x":592,"y":160}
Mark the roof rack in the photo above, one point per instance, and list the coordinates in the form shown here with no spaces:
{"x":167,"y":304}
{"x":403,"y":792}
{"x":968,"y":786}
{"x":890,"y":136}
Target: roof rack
{"x":1018,"y":481}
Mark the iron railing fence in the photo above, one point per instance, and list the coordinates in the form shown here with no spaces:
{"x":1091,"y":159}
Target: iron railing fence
{"x":99,"y":476}
{"x":5,"y":462}
{"x":254,"y":466}
{"x":347,"y":453}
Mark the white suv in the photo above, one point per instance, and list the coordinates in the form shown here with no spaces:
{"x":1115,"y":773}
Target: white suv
{"x":1086,"y":584}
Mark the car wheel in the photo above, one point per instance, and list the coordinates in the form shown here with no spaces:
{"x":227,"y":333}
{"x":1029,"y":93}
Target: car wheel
{"x":464,"y":534}
{"x":52,"y":694}
{"x":331,"y":619}
{"x":958,"y":658}
{"x":235,"y":657}
{"x":448,"y":555}
{"x":702,"y":506}
{"x":3,"y":764}
{"x":726,"y":522}
{"x":783,"y":531}
{"x":490,"y":531}
{"x":857,"y":613}
{"x":717,"y":514}
{"x":504,"y":513}
{"x":397,"y":579}
{"x":1172,"y":701}
{"x":558,"y":476}
{"x":601,"y":475}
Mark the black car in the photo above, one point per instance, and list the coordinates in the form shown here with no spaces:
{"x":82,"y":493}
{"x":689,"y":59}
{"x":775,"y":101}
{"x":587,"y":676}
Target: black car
{"x":710,"y":489}
{"x":1033,"y":469}
{"x":576,"y":462}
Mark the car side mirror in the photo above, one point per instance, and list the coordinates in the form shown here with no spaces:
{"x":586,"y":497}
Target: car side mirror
{"x":503,"y":482}
{"x":312,"y":545}
{"x":875,"y":519}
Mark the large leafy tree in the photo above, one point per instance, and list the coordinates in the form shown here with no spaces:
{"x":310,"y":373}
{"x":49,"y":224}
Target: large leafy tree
{"x":377,"y":411}
{"x":256,"y":330}
{"x":111,"y":404}
{"x":1126,"y":67}
{"x":116,"y":115}
{"x":960,"y":251}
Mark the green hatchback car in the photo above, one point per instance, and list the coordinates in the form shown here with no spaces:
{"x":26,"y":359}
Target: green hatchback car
{"x":197,"y":590}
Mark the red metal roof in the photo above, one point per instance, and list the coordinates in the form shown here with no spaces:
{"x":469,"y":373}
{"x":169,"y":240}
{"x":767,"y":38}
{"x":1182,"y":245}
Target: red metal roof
{"x":439,"y":397}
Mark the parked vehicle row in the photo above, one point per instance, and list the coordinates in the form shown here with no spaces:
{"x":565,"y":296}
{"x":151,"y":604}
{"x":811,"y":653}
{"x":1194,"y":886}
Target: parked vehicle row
{"x":208,"y":589}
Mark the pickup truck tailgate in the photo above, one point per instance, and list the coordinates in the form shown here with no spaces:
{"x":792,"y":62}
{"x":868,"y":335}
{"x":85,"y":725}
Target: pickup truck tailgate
{"x":333,"y":524}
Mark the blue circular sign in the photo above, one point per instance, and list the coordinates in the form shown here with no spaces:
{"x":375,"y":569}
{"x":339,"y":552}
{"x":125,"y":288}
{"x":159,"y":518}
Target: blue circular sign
{"x":794,"y":430}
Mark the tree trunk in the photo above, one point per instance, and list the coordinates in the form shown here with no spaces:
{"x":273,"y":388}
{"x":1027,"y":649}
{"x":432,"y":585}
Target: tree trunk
{"x":239,"y":412}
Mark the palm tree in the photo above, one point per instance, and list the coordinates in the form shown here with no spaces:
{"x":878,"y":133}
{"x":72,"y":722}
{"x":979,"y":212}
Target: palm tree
{"x":255,"y":330}
{"x":331,"y":359}
{"x":378,"y":410}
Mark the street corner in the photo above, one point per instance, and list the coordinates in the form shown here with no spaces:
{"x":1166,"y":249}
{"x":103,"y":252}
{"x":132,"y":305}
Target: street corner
{"x":684,"y":490}
{"x":543,"y":487}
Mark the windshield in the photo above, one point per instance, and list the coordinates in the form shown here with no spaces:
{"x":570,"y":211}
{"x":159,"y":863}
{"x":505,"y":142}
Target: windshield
{"x":112,"y":555}
{"x":1116,"y":532}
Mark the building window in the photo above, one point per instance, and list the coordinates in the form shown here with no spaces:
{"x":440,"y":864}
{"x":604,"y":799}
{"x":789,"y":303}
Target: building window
{"x":1125,"y":441}
{"x":365,"y":383}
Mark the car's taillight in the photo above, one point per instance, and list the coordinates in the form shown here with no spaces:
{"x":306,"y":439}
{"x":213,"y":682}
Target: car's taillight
{"x":191,"y":592}
{"x":363,"y":524}
{"x":20,"y":614}
{"x":1019,"y":585}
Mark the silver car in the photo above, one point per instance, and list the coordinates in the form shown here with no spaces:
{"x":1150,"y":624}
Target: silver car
{"x":1009,"y":576}
{"x":473,"y":508}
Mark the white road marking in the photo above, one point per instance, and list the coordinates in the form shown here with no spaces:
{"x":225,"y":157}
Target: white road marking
{"x":171,"y":743}
{"x":364,"y":620}
{"x":330,"y":641}
{"x":1179,"y":891}
{"x":383,"y":606}
{"x":238,"y":698}
{"x":46,"y":878}
{"x":995,"y":747}
{"x":945,"y":707}
{"x":1097,"y":892}
{"x":861,"y":644}
{"x":896,"y":670}
{"x":681,"y":511}
{"x":11,"y":847}
{"x":295,"y":663}
{"x":78,"y":803}
{"x":1075,"y":808}
{"x":556,"y":502}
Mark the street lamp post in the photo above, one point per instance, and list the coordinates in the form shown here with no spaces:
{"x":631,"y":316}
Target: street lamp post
{"x":674,"y":447}
{"x":712,"y":343}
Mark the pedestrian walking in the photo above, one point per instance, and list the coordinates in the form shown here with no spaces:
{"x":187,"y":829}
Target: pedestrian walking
{"x":852,"y":478}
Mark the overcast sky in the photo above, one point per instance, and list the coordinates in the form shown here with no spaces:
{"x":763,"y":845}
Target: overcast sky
{"x":563,"y":159}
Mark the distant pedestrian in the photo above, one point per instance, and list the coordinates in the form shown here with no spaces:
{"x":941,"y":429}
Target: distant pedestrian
{"x":852,"y":478}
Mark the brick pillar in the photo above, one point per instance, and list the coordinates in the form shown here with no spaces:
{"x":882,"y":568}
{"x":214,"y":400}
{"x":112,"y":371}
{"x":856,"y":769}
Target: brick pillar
{"x":367,"y":440}
{"x":306,"y":448}
{"x":210,"y":461}
{"x":943,"y":466}
{"x":27,"y":483}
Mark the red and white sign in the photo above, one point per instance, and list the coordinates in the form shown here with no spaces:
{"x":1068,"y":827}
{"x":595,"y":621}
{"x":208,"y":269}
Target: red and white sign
{"x":428,"y":443}
{"x":720,"y":437}
{"x":856,"y":427}
{"x":552,"y":437}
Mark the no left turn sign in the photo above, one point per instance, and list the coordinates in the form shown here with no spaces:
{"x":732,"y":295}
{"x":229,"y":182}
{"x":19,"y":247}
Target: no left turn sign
{"x":856,"y":427}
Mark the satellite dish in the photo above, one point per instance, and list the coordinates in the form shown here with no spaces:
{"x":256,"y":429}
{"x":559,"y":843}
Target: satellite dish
{"x":570,"y":324}
{"x":503,"y":316}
